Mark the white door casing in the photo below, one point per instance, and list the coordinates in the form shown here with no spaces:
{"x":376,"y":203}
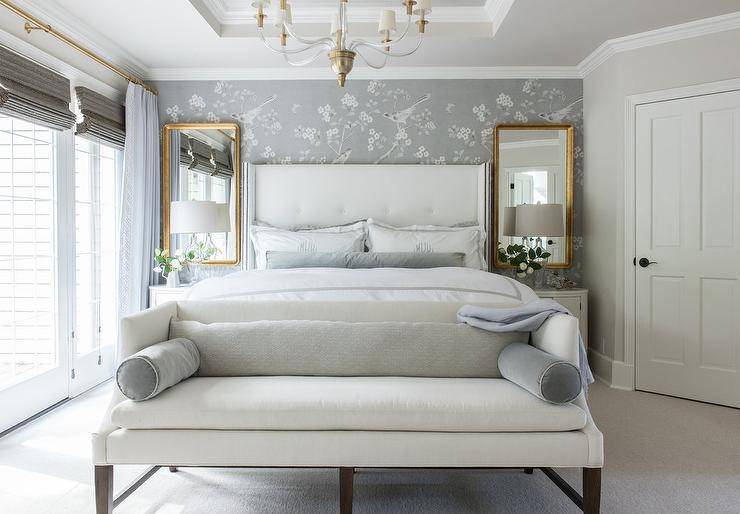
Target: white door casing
{"x":687,"y":206}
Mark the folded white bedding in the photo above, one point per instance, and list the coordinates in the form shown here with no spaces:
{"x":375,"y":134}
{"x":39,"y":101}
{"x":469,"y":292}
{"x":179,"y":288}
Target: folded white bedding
{"x":382,"y":284}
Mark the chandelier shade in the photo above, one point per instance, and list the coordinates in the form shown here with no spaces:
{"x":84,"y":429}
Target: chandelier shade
{"x":340,"y":49}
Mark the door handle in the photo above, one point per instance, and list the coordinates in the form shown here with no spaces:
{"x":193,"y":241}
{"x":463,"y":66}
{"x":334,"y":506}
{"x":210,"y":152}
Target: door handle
{"x":643,"y":262}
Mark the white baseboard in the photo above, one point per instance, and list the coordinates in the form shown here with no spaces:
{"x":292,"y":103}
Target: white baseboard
{"x":623,"y":376}
{"x":615,"y":374}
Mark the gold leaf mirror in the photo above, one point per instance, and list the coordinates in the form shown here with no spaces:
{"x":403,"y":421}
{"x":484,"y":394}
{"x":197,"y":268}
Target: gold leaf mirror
{"x":533,"y":191}
{"x":201,"y":198}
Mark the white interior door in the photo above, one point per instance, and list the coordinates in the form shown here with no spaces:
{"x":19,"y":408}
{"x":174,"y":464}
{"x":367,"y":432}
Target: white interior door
{"x":688,"y":224}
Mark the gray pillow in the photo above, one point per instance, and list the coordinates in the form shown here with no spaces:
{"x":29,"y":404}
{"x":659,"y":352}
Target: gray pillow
{"x":283,"y":260}
{"x":548,"y":378}
{"x":152,"y":370}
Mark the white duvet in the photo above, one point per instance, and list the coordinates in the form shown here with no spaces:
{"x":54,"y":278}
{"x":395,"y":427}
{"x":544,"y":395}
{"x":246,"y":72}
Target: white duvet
{"x":381,"y":284}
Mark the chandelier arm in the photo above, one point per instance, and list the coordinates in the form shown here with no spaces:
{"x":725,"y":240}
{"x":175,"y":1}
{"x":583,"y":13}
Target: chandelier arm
{"x":392,"y":42}
{"x":393,"y":54}
{"x":304,"y":62}
{"x":372,"y":65}
{"x":284,"y":51}
{"x":291,"y":33}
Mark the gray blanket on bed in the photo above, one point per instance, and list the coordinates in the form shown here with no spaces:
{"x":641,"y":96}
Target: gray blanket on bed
{"x":525,"y":318}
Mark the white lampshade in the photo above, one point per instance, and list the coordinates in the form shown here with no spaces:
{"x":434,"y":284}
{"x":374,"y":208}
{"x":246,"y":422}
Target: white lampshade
{"x":261,"y":3}
{"x":423,"y":6}
{"x":509,"y":228}
{"x":387,"y":21}
{"x":280,"y":19}
{"x":335,"y":25}
{"x":539,"y":220}
{"x":199,"y":217}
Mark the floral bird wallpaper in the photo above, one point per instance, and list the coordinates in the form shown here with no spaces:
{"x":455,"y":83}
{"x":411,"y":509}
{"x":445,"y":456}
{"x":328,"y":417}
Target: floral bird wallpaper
{"x":374,"y":122}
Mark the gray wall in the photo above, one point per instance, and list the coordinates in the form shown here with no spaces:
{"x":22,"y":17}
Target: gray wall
{"x":396,"y":121}
{"x":682,"y":63}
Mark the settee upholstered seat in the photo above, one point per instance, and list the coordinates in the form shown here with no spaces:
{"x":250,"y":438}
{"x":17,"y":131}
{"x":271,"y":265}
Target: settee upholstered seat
{"x":349,"y":403}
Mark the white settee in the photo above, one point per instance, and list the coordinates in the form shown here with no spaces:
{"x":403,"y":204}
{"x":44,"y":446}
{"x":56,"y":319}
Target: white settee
{"x":387,"y":422}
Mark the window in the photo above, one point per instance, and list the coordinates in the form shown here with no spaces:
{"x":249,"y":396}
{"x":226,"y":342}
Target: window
{"x":97,"y":168}
{"x":27,"y":264}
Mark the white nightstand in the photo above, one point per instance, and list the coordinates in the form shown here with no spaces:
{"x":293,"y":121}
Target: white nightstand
{"x":575,"y":300}
{"x":161,"y":294}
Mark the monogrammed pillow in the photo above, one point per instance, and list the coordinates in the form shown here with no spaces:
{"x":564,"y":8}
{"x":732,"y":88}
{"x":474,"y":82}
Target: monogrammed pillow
{"x":346,"y":238}
{"x":429,"y":239}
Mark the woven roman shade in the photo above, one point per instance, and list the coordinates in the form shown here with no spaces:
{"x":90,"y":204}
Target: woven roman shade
{"x":102,"y":118}
{"x":34,"y":93}
{"x":198,"y":156}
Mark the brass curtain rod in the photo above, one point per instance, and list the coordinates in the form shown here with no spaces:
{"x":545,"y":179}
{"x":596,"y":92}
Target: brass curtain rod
{"x":33,"y":23}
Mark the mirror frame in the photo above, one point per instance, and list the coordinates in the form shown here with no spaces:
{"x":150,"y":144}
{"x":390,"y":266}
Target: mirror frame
{"x":569,"y":165}
{"x":165,"y":224}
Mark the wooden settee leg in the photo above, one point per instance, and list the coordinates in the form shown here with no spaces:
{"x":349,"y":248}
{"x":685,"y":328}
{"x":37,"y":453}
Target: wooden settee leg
{"x":173,"y":469}
{"x":103,"y":489}
{"x":346,"y":482}
{"x":591,"y":490}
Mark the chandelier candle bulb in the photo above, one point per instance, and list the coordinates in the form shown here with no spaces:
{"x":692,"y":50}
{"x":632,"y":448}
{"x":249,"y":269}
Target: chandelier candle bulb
{"x":387,"y":21}
{"x":284,"y":16}
{"x":424,"y":7}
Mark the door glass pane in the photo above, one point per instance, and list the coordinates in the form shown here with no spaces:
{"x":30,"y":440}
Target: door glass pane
{"x":27,"y":268}
{"x":96,"y":168}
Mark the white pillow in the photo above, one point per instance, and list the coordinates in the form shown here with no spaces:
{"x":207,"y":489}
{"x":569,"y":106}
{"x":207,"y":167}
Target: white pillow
{"x":345,"y":238}
{"x":429,"y":239}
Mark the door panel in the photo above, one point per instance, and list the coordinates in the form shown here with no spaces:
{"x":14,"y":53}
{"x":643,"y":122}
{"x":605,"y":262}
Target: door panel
{"x":687,"y":222}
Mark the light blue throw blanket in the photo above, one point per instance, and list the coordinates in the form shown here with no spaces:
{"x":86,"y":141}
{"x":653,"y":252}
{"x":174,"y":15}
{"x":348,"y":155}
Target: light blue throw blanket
{"x":525,"y":318}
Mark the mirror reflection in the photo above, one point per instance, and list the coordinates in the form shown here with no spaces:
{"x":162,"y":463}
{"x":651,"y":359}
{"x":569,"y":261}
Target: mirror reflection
{"x":202,"y":175}
{"x":533,"y":180}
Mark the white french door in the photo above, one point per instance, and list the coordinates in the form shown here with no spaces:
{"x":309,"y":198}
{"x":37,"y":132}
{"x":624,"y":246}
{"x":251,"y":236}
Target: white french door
{"x":34,"y":344}
{"x":94,"y":318}
{"x":688,"y":248}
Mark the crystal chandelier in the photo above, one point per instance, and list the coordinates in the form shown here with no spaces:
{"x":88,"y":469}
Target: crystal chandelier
{"x":341,"y":50}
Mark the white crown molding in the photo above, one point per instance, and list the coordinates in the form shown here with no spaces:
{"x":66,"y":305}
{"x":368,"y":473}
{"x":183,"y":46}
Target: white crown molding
{"x":366,"y":73}
{"x":59,"y":18}
{"x":497,"y":10}
{"x":76,"y":76}
{"x":657,"y":37}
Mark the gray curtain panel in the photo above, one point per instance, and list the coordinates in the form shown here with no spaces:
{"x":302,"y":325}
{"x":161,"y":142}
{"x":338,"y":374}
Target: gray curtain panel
{"x":34,"y":93}
{"x":140,"y":201}
{"x":102,"y":118}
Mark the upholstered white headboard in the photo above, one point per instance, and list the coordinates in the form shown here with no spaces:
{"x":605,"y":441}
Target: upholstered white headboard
{"x":298,"y":195}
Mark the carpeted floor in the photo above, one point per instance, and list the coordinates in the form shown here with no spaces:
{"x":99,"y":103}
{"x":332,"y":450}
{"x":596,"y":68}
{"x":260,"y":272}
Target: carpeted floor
{"x":662,"y":455}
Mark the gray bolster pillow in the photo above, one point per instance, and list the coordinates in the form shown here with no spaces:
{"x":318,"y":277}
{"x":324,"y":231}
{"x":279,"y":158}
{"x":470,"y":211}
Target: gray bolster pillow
{"x":152,"y":370}
{"x":548,"y":378}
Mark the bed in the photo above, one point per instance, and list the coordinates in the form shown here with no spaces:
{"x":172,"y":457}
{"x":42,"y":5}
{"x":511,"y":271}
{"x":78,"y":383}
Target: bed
{"x":301,"y":196}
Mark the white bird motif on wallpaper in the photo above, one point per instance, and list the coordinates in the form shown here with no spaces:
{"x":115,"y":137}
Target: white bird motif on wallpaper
{"x":342,"y":157}
{"x":403,"y":115}
{"x":248,"y":117}
{"x":559,"y":115}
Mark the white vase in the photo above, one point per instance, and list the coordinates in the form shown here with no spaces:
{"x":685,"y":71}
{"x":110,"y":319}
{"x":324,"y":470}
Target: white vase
{"x":173,"y":279}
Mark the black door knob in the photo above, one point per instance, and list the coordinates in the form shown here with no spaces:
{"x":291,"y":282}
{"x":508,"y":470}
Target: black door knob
{"x":645,"y":262}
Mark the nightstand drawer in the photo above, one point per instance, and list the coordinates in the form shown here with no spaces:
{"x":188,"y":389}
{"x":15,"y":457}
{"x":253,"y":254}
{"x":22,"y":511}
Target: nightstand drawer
{"x":575,"y":300}
{"x":572,"y":303}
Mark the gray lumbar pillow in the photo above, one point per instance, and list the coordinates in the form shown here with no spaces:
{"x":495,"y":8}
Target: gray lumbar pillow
{"x":548,"y":378}
{"x":152,"y":370}
{"x":356,"y":260}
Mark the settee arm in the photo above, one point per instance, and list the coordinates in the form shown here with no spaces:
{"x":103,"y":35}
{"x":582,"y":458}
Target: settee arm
{"x":137,"y":332}
{"x":558,"y":336}
{"x":145,"y":328}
